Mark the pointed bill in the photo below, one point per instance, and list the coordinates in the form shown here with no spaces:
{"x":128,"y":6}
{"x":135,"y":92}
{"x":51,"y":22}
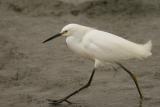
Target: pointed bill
{"x":53,"y":37}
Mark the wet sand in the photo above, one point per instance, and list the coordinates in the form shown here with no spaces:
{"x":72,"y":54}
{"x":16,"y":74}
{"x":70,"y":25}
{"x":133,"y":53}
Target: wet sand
{"x":31,"y":72}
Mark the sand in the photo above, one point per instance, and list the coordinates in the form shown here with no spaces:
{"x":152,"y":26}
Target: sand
{"x":31,"y":72}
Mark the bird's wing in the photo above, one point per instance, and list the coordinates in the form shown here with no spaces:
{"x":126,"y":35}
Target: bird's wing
{"x":108,"y":47}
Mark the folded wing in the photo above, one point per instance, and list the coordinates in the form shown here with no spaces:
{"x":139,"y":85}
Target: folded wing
{"x":108,"y":47}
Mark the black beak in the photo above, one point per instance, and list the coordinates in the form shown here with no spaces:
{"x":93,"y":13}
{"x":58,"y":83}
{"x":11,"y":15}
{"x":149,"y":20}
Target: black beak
{"x":53,"y":37}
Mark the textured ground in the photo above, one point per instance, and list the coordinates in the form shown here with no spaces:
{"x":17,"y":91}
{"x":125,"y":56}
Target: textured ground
{"x":31,"y":72}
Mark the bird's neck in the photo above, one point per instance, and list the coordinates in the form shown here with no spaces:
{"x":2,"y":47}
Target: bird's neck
{"x":75,"y":39}
{"x":78,"y":36}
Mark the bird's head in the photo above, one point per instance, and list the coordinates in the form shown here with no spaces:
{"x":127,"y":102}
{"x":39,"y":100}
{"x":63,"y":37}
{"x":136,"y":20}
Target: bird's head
{"x":70,"y":30}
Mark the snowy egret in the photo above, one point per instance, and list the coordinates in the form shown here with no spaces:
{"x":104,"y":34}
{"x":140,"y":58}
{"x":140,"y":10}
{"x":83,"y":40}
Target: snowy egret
{"x":103,"y":48}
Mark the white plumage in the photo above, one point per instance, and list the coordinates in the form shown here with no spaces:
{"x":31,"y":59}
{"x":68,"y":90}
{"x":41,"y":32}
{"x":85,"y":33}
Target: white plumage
{"x":103,"y":46}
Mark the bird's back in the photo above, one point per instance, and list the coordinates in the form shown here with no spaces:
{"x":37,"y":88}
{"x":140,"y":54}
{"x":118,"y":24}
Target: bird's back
{"x":108,"y":47}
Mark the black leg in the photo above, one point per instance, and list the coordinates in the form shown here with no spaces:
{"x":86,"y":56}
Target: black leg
{"x":133,"y":77}
{"x":65,"y":99}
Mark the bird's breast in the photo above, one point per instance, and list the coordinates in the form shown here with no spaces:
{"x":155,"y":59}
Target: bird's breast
{"x":76,"y":46}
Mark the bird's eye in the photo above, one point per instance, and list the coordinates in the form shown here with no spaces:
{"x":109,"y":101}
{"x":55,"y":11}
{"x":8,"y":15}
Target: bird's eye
{"x":65,"y":31}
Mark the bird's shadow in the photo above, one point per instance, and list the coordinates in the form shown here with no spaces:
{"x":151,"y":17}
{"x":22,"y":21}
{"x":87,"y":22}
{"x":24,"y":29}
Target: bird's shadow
{"x":69,"y":105}
{"x":140,"y":103}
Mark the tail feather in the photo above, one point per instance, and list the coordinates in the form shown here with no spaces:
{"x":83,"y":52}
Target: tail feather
{"x":147,"y":48}
{"x":148,"y":45}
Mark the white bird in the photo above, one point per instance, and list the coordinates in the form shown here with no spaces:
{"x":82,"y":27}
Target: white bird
{"x":101,"y":47}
